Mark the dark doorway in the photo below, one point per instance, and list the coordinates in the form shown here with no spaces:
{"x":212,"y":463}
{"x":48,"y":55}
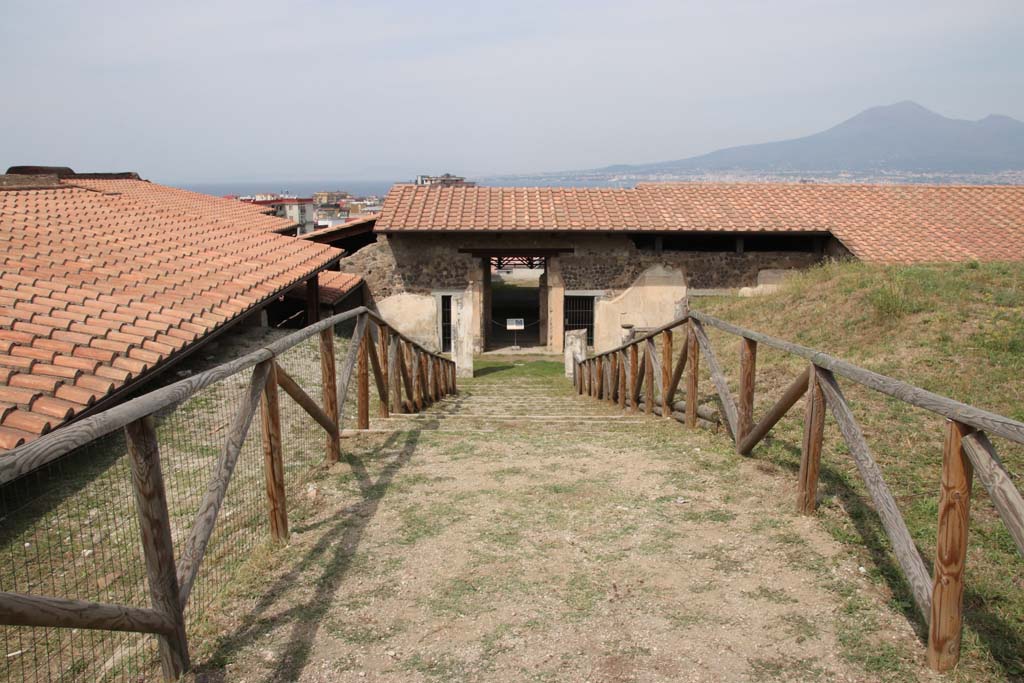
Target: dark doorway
{"x":579,"y":315}
{"x":515,"y":294}
{"x":446,"y":323}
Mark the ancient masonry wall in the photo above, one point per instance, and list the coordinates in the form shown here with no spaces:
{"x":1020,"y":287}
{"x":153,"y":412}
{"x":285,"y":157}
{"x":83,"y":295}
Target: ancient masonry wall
{"x":418,"y":266}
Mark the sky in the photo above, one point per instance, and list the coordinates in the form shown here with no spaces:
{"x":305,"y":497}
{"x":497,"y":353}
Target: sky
{"x":188,"y":92}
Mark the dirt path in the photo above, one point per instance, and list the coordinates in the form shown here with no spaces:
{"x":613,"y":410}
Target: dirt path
{"x":517,"y":532}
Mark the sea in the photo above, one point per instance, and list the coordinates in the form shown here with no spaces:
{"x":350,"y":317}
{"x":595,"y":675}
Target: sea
{"x":298,"y":188}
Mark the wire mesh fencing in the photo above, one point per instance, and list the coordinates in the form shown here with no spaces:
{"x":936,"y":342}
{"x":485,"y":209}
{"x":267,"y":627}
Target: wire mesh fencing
{"x":76,"y":546}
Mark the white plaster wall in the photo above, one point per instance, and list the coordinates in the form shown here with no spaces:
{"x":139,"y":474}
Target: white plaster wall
{"x":414,"y":315}
{"x":649,"y":302}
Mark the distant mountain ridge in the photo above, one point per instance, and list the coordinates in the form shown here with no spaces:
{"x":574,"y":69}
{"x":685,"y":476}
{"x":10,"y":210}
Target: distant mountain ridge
{"x":900,"y":137}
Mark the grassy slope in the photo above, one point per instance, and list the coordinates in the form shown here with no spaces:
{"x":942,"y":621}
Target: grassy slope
{"x":957,"y":330}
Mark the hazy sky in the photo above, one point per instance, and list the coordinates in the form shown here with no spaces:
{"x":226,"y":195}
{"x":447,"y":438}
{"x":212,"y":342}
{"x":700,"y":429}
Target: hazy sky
{"x":206,"y":91}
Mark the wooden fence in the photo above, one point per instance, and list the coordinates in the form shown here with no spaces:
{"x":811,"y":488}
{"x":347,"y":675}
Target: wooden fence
{"x":637,"y":376}
{"x":407,"y":376}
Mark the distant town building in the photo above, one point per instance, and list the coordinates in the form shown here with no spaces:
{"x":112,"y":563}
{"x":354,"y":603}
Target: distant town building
{"x":299,"y":210}
{"x":444,"y":180}
{"x":330,"y":198}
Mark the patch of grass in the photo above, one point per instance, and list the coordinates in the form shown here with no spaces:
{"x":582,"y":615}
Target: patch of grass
{"x":799,"y":626}
{"x":957,"y":330}
{"x":775,"y":596}
{"x":442,"y":667}
{"x":786,"y":669}
{"x":720,"y":516}
{"x":425,"y":521}
{"x":582,"y":594}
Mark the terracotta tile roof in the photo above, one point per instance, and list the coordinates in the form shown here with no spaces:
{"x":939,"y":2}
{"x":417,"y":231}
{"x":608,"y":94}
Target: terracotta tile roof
{"x":356,"y":226}
{"x":887,"y":223}
{"x":103,"y":280}
{"x":172,"y":197}
{"x":334,"y":287}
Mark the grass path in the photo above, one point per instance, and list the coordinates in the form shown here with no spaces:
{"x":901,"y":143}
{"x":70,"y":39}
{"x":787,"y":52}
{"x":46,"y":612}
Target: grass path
{"x":508,"y":535}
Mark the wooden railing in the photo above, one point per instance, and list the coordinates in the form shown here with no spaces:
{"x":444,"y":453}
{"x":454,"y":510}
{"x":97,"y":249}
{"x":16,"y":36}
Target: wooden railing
{"x":396,"y":363}
{"x":637,"y":376}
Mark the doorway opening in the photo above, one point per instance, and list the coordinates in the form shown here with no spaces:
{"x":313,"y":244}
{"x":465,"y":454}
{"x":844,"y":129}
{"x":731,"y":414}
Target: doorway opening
{"x":579,"y":315}
{"x":515,"y":301}
{"x":446,"y":323}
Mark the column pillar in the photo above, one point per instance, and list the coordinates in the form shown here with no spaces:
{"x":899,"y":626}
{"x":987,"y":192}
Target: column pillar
{"x":556,"y":305}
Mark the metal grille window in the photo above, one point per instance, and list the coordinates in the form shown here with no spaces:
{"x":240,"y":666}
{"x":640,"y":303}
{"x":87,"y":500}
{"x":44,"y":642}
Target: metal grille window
{"x":579,"y":315}
{"x":446,"y":324}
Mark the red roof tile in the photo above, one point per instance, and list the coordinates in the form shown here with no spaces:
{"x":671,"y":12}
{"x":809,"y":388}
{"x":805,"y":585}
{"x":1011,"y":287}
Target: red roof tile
{"x":886,"y":223}
{"x":335,"y":286}
{"x":102,"y":280}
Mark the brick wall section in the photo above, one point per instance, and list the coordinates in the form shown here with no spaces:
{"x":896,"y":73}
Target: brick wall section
{"x":421,"y":263}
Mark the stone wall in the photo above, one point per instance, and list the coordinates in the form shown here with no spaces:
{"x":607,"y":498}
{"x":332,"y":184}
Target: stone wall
{"x":613,"y":262}
{"x":403,"y":271}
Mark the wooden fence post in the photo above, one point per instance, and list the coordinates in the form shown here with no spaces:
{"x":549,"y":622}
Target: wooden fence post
{"x":651,"y":379}
{"x":634,"y":382}
{"x":613,"y":377}
{"x":273,"y":466}
{"x":363,"y":383}
{"x":693,"y":358}
{"x":328,"y":374}
{"x":157,"y":547}
{"x":417,"y":378}
{"x":666,"y":374}
{"x":748,"y":373}
{"x":946,"y":623}
{"x":810,"y":457}
{"x":395,"y":375}
{"x":382,"y":350}
{"x":600,"y":378}
{"x":624,"y":386}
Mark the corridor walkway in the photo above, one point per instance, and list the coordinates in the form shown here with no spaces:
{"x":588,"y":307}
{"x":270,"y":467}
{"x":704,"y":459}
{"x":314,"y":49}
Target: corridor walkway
{"x":518,"y":532}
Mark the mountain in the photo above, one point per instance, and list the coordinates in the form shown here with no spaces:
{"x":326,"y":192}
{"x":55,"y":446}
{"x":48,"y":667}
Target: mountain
{"x":899,"y":137}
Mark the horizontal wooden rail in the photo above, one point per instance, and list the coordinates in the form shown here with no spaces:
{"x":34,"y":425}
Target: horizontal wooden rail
{"x":170,"y":583}
{"x":19,"y":609}
{"x":47,"y":448}
{"x":939,"y":598}
{"x":992,"y":423}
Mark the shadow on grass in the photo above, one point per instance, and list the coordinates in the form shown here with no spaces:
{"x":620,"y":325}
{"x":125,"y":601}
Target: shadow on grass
{"x":493,"y":369}
{"x":332,"y":555}
{"x":997,"y":634}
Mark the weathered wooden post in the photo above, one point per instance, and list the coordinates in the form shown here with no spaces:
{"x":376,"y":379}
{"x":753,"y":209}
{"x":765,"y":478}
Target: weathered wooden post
{"x":810,"y":456}
{"x":600,"y":378}
{"x":157,"y":547}
{"x":328,"y":376}
{"x":693,"y":359}
{"x":363,"y":383}
{"x":395,"y":375}
{"x":649,"y":387}
{"x":748,"y":373}
{"x":273,"y":465}
{"x":634,"y":372}
{"x":946,"y":625}
{"x":613,"y":377}
{"x":666,"y":374}
{"x":417,"y":377}
{"x":382,"y":350}
{"x":623,"y":381}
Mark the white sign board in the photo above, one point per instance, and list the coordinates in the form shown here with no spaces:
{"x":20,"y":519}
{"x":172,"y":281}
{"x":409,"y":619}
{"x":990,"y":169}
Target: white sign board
{"x":514,"y":324}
